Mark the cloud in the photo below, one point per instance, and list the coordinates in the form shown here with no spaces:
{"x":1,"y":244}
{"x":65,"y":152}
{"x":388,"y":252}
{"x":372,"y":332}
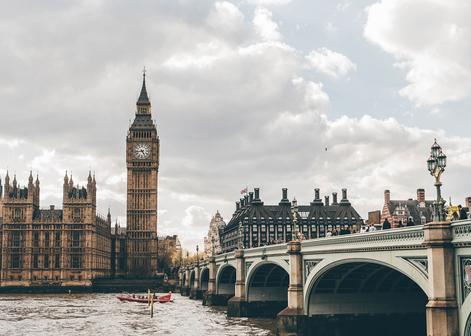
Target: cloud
{"x":233,"y":100}
{"x":330,"y":62}
{"x":265,"y":26}
{"x":268,"y":2}
{"x":431,"y":40}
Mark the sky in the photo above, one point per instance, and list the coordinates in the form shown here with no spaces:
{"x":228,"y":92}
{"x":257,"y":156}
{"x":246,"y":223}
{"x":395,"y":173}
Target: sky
{"x":244,"y":93}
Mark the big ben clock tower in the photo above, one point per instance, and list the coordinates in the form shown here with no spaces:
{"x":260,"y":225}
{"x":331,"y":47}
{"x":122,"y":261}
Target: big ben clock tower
{"x":142,"y":159}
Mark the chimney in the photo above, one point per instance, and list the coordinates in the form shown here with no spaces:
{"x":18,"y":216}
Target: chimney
{"x":334,"y":198}
{"x":326,"y":200}
{"x":242,"y":202}
{"x":246,"y":200}
{"x":250,"y":197}
{"x":257,"y":194}
{"x":51,"y":207}
{"x":387,"y":196}
{"x":284,"y":194}
{"x":317,"y":194}
{"x":344,"y":194}
{"x":237,"y":205}
{"x":421,"y":195}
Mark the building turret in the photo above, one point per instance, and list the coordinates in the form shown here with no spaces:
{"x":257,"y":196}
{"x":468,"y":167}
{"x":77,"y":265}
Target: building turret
{"x":1,"y":188}
{"x":108,"y":217}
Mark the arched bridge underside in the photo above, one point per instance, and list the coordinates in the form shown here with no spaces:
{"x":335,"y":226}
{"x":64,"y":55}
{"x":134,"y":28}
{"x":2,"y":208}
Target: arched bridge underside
{"x":267,"y":290}
{"x":362,"y":298}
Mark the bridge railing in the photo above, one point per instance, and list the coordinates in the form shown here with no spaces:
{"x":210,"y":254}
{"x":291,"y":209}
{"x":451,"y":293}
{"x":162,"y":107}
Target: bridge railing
{"x":461,"y":232}
{"x":397,"y":238}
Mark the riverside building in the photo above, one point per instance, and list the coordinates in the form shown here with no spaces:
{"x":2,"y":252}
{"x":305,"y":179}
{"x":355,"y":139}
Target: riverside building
{"x":256,"y":224}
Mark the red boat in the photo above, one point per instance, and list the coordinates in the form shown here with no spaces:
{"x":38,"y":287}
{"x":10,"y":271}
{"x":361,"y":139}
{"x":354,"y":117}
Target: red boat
{"x":144,"y":299}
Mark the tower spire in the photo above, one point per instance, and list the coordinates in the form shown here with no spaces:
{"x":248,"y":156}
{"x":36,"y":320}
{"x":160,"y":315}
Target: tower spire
{"x":143,"y":102}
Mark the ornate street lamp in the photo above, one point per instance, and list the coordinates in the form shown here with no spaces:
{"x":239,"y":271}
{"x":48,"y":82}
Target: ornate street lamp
{"x":187,"y":256}
{"x":294,"y":217}
{"x":241,"y":237}
{"x":436,"y":166}
{"x":197,"y":258}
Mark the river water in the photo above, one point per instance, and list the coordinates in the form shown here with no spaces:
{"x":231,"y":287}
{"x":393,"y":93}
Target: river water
{"x":103,"y":314}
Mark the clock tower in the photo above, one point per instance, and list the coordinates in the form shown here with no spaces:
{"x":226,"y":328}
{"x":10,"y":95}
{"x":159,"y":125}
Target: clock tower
{"x":142,"y":160}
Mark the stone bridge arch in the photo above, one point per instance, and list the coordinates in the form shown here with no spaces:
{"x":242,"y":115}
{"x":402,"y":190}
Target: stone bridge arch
{"x":225,"y":279}
{"x":362,"y":295}
{"x":192,"y":278}
{"x":266,"y":289}
{"x":204,"y":278}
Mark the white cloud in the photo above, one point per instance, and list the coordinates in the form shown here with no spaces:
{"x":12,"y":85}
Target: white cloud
{"x":265,"y":26}
{"x":330,"y":62}
{"x":226,"y":16}
{"x":268,"y":2}
{"x":432,"y":40}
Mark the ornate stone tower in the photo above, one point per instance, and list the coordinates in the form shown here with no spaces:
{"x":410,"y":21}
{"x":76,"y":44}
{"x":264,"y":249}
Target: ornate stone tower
{"x":142,"y":159}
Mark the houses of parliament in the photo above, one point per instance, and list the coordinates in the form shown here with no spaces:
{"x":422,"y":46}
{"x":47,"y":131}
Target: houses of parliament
{"x":74,"y":246}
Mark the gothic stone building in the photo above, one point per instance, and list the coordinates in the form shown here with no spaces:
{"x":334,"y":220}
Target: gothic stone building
{"x":50,"y":246}
{"x":212,"y":242}
{"x":142,"y":159}
{"x":256,"y":224}
{"x":398,"y":212}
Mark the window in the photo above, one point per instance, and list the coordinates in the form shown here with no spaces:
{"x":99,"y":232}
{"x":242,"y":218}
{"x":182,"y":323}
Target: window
{"x":15,"y":260}
{"x":17,"y":214}
{"x":15,"y":239}
{"x":46,"y":239}
{"x":76,"y":261}
{"x":77,"y":214}
{"x":46,"y":261}
{"x":75,"y":239}
{"x":36,"y":239}
{"x":57,"y":239}
{"x":57,"y":261}
{"x":35,"y":261}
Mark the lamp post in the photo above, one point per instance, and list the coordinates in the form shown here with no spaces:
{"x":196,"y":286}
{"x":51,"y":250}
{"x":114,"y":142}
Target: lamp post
{"x":241,"y":237}
{"x":187,"y":257}
{"x":197,"y":258}
{"x":294,"y":216}
{"x":436,"y":166}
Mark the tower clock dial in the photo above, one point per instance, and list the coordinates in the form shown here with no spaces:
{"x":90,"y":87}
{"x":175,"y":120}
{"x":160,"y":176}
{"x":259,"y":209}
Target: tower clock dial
{"x":141,"y":151}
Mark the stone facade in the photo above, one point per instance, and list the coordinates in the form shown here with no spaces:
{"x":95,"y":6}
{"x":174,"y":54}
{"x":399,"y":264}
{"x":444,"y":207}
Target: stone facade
{"x":68,"y":247}
{"x":142,"y":159}
{"x":212,"y":240}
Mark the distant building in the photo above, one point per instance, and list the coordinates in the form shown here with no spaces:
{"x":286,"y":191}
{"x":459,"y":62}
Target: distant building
{"x":170,"y":246}
{"x":256,"y":224}
{"x":467,"y":202}
{"x":374,"y":217}
{"x":64,"y":247}
{"x":212,"y":240}
{"x":398,"y":212}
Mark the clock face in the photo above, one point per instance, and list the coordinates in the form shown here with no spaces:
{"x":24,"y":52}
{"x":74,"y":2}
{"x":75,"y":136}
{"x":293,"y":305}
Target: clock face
{"x":141,"y":151}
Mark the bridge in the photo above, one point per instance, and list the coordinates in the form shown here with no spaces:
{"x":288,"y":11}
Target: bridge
{"x":408,"y":281}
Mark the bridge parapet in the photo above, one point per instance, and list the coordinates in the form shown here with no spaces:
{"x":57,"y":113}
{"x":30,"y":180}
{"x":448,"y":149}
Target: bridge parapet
{"x":461,"y":231}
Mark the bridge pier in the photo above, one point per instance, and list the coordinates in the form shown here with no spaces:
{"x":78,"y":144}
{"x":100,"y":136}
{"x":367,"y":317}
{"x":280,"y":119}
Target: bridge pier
{"x":291,"y":320}
{"x":195,"y":292}
{"x":237,"y":305}
{"x":185,"y":290}
{"x":442,"y":308}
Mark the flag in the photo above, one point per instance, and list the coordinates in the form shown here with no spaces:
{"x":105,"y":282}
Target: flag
{"x":244,"y":191}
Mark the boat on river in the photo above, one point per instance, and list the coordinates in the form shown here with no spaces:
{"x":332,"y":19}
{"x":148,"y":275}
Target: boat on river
{"x":144,"y":298}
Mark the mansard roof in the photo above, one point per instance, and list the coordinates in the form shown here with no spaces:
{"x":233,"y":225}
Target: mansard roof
{"x":317,"y":213}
